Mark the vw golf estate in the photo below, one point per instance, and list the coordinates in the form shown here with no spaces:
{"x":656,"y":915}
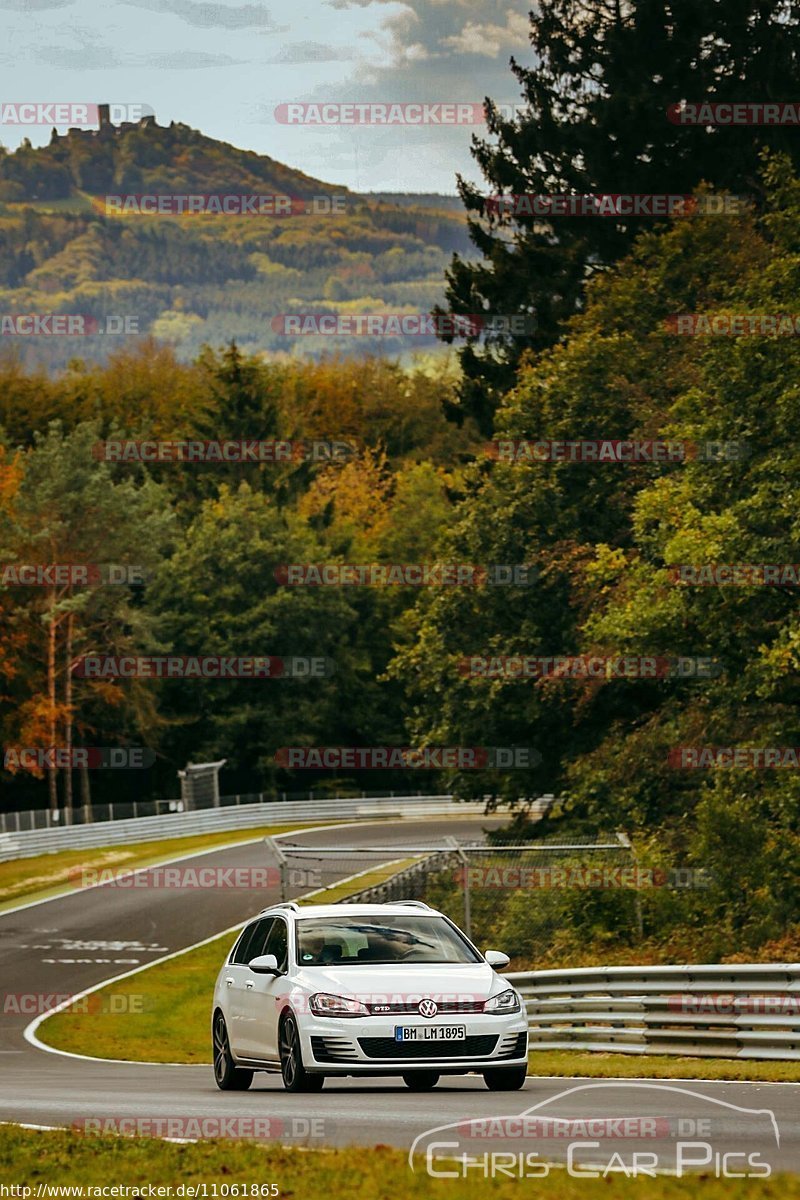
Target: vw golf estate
{"x":364,"y":990}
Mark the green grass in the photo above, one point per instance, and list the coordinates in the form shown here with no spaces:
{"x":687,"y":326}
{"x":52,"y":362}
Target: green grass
{"x":175,"y":1021}
{"x":50,"y":874}
{"x":173,"y":999}
{"x":657,"y":1066}
{"x":165,"y":1017}
{"x":30,"y":1157}
{"x":347,"y":887}
{"x":74,"y":204}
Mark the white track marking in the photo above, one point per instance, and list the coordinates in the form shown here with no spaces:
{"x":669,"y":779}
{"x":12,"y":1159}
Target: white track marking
{"x":4,"y":912}
{"x":30,"y":1030}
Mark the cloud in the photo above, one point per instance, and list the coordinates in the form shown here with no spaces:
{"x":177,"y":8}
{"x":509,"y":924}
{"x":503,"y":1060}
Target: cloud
{"x":445,"y":49}
{"x":437,"y":51}
{"x":81,"y":57}
{"x":213,"y":16}
{"x":33,"y":5}
{"x":190,"y":60}
{"x":489,"y":39}
{"x":444,"y":28}
{"x":306,"y":52}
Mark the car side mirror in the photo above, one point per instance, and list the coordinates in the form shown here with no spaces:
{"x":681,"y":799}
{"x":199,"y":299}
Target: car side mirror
{"x":264,"y":964}
{"x":496,"y":958}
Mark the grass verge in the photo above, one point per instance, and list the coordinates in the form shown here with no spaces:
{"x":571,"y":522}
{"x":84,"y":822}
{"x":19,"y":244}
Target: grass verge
{"x":50,"y":874}
{"x":163,"y":1013}
{"x":29,"y":1157}
{"x":164,"y":1017}
{"x":655,"y":1066}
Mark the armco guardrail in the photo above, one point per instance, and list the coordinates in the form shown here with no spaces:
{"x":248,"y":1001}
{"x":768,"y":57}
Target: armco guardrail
{"x":740,"y":1010}
{"x":213,"y":820}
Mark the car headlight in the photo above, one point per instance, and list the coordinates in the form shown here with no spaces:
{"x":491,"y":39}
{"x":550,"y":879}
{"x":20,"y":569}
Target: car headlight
{"x":503,"y":1002}
{"x":322,"y":1004}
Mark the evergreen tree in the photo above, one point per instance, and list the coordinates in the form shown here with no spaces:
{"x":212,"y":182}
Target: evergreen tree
{"x":596,"y":121}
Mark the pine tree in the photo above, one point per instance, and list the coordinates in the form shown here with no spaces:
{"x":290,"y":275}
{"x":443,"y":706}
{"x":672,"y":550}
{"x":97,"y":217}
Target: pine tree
{"x":595,"y":120}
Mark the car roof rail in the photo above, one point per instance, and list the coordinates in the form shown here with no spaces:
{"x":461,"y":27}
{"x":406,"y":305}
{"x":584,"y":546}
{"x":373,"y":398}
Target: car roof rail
{"x":283,"y":904}
{"x":413,"y":903}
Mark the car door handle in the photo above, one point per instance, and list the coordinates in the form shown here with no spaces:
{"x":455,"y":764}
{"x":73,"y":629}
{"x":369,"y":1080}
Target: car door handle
{"x":249,"y":985}
{"x":229,"y":980}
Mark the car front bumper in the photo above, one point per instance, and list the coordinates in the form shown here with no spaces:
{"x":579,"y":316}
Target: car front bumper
{"x":367,"y":1045}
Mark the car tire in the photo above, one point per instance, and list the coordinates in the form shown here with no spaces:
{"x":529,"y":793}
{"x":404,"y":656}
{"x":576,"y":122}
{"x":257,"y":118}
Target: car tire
{"x":421,"y":1081}
{"x":295,"y":1077}
{"x":228,"y":1077}
{"x":505,"y":1079}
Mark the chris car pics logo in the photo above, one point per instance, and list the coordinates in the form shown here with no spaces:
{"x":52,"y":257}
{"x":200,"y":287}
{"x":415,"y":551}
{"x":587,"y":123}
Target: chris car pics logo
{"x":596,"y":1130}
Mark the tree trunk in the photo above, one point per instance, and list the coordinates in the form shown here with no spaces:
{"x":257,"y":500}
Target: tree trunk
{"x":86,"y":793}
{"x":52,"y":772}
{"x":68,"y":729}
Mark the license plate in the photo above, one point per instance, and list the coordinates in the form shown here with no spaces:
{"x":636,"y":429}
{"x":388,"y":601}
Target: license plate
{"x":430,"y":1033}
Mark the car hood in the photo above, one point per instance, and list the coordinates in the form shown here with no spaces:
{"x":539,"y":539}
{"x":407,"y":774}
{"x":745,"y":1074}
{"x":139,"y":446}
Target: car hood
{"x":403,"y":981}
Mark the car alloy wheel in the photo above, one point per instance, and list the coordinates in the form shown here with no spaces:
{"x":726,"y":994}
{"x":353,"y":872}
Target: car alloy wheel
{"x":295,"y":1077}
{"x":228,"y":1077}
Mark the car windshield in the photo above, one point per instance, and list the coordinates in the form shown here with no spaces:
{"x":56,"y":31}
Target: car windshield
{"x":354,"y":941}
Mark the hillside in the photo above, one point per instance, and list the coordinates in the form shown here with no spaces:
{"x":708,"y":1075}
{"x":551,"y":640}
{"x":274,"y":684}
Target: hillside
{"x":205,"y":278}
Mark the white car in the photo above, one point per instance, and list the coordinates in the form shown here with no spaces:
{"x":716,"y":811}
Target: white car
{"x":364,"y":989}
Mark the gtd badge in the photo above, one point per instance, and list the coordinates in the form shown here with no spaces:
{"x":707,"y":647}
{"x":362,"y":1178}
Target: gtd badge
{"x":428,"y":1008}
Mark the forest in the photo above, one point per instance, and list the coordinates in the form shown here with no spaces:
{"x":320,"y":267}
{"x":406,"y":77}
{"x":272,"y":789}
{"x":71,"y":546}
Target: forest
{"x":77,"y":237}
{"x":676,"y":335}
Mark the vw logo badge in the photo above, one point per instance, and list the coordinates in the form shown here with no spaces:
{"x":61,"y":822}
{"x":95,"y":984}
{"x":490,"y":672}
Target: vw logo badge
{"x":428,"y":1008}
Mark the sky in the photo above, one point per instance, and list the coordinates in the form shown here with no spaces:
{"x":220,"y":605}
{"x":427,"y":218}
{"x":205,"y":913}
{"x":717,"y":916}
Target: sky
{"x":224,"y":68}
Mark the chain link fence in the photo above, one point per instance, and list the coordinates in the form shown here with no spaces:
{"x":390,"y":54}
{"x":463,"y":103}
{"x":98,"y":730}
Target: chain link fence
{"x":526,"y":899}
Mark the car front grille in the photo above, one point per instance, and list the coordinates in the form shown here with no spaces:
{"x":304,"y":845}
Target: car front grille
{"x":477,"y":1046}
{"x":412,"y":1007}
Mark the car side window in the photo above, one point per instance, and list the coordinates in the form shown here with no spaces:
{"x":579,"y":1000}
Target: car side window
{"x":259,"y":939}
{"x":278,"y":943}
{"x":240,"y":954}
{"x":252,"y":941}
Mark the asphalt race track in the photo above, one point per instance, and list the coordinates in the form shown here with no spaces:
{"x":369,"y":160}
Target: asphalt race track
{"x":78,"y":940}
